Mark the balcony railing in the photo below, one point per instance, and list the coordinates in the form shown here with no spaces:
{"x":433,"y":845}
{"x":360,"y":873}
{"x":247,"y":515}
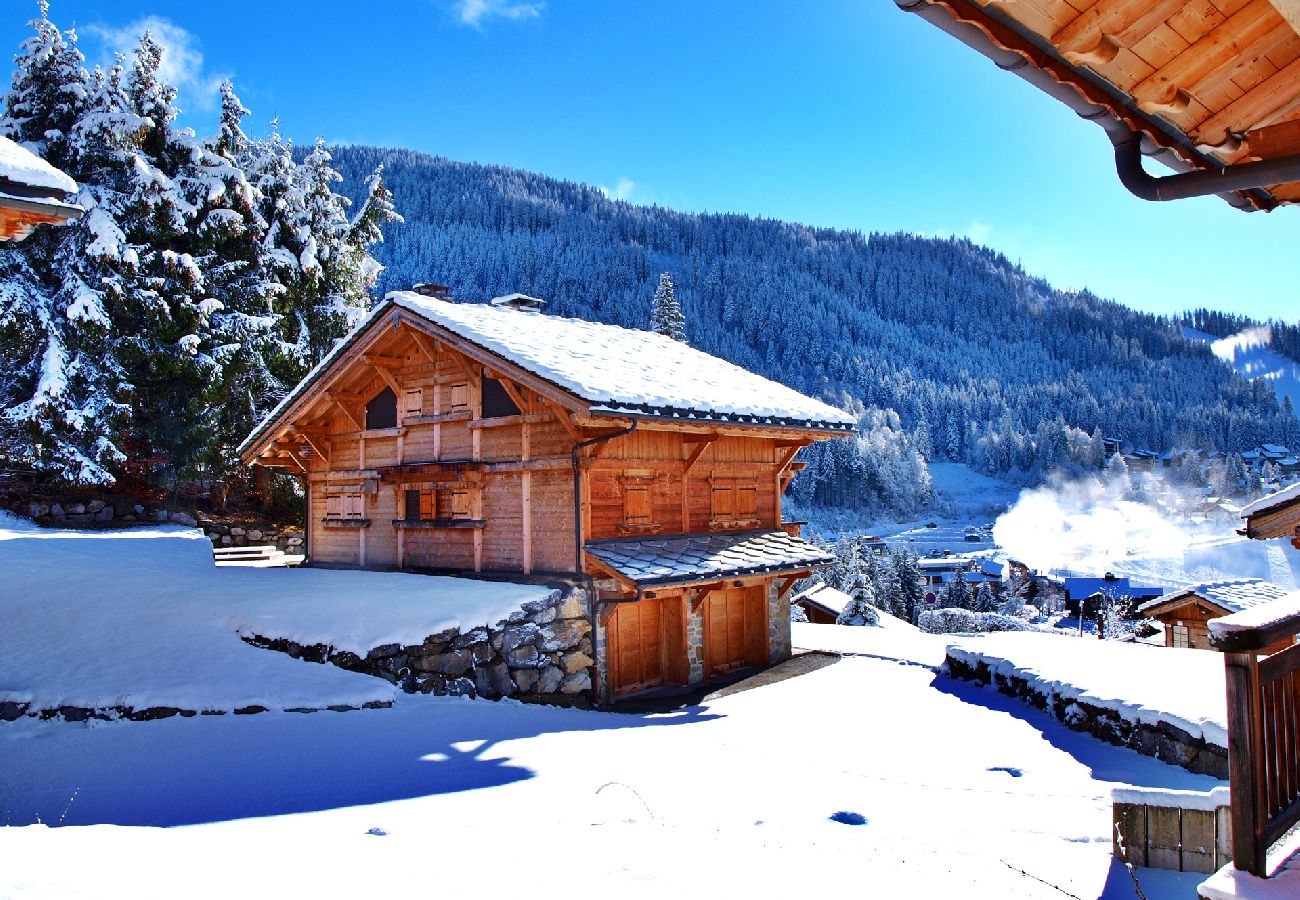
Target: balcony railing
{"x":1263,"y":727}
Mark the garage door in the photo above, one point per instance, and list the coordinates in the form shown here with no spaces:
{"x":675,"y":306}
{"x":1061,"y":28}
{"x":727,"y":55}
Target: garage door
{"x":735,"y":629}
{"x":636,"y":646}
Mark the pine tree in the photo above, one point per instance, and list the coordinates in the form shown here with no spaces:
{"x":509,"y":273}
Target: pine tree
{"x":910,"y":593}
{"x":60,"y":407}
{"x":954,"y":594}
{"x":666,"y":315}
{"x":48,"y":90}
{"x":861,"y":608}
{"x":985,"y":601}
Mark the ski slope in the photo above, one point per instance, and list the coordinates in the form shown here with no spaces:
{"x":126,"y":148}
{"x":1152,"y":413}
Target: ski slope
{"x":1249,"y":354}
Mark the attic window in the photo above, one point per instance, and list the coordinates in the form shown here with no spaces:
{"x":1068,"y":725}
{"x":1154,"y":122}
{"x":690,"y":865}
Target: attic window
{"x":496,"y":402}
{"x":460,"y":396}
{"x":381,"y":412}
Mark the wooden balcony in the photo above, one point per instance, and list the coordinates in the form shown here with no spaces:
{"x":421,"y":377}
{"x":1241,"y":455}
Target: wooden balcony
{"x":1263,"y":729}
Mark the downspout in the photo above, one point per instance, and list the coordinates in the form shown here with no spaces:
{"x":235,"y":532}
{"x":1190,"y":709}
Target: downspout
{"x":1199,"y":182}
{"x":577,"y":541}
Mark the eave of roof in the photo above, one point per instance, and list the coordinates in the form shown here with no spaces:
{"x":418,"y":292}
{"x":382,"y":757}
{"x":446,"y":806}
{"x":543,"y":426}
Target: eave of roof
{"x":990,"y":31}
{"x":728,"y":551}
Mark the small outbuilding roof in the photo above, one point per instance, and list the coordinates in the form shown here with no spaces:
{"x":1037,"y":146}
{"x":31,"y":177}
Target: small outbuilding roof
{"x":1231,"y":596}
{"x":824,"y":597}
{"x":684,"y":559}
{"x":32,"y":192}
{"x":20,"y":167}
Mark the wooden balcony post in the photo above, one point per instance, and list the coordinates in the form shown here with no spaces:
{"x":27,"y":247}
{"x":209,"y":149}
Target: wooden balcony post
{"x":1245,"y":763}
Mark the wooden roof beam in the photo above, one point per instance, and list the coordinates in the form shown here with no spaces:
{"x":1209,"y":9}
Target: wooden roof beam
{"x":1255,"y":108}
{"x":384,"y":371}
{"x":1124,"y":21}
{"x":1251,"y":32}
{"x":341,"y":405}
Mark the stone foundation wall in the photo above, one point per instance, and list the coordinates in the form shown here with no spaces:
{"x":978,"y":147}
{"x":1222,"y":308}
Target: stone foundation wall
{"x":541,"y":653}
{"x":1162,"y":740}
{"x":779,"y":642}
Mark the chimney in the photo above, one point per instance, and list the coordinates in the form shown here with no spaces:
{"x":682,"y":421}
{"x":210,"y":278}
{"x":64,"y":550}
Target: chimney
{"x":437,"y":291}
{"x":520,"y":302}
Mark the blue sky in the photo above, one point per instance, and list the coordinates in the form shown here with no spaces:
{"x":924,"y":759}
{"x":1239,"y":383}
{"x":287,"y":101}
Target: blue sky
{"x":845,"y":113}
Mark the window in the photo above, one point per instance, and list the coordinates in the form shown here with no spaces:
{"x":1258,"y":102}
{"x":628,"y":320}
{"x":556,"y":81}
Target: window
{"x":345,"y":506}
{"x":734,"y":503}
{"x":413,"y":403}
{"x":1180,"y":636}
{"x":460,"y":396}
{"x":430,"y":504}
{"x":381,"y":412}
{"x":496,"y":402}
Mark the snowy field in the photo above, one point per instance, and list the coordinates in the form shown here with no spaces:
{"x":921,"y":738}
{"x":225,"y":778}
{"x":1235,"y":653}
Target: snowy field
{"x":1249,"y":354}
{"x":958,"y":791}
{"x":142,"y":618}
{"x":875,"y":775}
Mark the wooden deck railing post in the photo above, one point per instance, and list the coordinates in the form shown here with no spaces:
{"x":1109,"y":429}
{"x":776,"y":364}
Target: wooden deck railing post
{"x":1245,"y":767}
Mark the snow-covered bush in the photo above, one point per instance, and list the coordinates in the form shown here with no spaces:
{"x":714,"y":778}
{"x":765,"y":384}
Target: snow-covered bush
{"x":952,"y":621}
{"x":797,"y":614}
{"x":860,"y":610}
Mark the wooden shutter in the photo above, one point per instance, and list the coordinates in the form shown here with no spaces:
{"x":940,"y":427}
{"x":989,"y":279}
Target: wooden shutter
{"x":636,"y":504}
{"x":724,"y":502}
{"x":334,"y":506}
{"x":413,"y":403}
{"x":353,"y":506}
{"x":453,"y":504}
{"x":428,"y":504}
{"x":459,"y":396}
{"x":746,"y":502}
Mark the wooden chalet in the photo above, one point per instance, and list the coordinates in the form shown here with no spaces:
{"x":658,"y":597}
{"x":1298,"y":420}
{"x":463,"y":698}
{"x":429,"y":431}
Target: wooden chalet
{"x":1186,"y":613}
{"x":32,"y":192}
{"x":1274,"y":516}
{"x":456,"y":437}
{"x":1211,"y":89}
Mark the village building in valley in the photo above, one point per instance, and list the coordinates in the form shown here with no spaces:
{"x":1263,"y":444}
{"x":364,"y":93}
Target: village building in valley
{"x":1186,"y":613}
{"x":494,"y":439}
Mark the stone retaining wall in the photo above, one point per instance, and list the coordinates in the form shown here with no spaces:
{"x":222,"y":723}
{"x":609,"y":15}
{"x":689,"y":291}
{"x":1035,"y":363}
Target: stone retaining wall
{"x":541,"y":653}
{"x":1163,"y":741}
{"x":11,"y":711}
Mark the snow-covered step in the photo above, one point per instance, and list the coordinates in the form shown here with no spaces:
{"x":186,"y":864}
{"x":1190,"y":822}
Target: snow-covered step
{"x":258,"y":557}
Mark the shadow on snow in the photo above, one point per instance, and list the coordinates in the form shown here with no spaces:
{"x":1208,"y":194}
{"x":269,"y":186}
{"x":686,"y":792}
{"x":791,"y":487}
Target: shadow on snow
{"x":209,"y":769}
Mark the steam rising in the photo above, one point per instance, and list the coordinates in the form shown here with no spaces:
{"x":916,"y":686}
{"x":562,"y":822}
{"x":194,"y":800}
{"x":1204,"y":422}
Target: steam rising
{"x":1088,"y":527}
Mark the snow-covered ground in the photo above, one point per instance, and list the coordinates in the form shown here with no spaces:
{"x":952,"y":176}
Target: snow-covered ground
{"x":1249,"y":354}
{"x":874,"y":775}
{"x":143,"y":618}
{"x":1182,"y":687}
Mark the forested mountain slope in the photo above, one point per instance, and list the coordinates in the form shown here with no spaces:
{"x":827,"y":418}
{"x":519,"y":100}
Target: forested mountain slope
{"x":981,"y":361}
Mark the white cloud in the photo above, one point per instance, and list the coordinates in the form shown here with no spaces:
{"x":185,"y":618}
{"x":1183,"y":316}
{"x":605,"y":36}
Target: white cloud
{"x":621,"y":191}
{"x":473,"y":12}
{"x":979,"y":232}
{"x":182,"y":60}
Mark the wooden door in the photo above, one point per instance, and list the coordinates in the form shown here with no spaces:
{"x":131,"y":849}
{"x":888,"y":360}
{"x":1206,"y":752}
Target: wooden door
{"x":636,"y":646}
{"x":735,"y":629}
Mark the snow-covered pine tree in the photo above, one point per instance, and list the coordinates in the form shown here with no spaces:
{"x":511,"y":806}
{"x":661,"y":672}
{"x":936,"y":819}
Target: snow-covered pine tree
{"x":666,"y":314}
{"x":241,"y":340}
{"x":48,"y":90}
{"x":59,"y":384}
{"x":910,"y":593}
{"x":985,"y":600}
{"x":954,"y":594}
{"x":861,"y":608}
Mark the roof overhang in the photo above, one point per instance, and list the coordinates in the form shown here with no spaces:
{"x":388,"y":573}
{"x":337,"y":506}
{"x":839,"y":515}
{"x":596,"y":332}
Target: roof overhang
{"x":1231,"y":148}
{"x":680,"y":560}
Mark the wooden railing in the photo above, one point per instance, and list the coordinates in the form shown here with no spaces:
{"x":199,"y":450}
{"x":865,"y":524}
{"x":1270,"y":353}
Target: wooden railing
{"x":1263,"y":738}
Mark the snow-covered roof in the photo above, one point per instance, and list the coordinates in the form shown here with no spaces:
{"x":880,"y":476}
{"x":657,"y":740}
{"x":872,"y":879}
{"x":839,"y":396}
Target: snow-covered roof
{"x":1260,"y":615}
{"x":680,"y":559}
{"x":1284,"y":496}
{"x":821,"y":594}
{"x":22,"y":167}
{"x":623,"y":370}
{"x":1234,"y":596}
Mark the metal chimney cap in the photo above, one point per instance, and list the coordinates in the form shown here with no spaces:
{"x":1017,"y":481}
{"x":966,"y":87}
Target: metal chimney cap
{"x":521,"y":302}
